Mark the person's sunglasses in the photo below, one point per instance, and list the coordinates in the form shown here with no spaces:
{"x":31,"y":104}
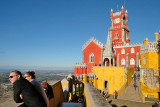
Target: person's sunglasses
{"x":26,"y":76}
{"x":12,"y":76}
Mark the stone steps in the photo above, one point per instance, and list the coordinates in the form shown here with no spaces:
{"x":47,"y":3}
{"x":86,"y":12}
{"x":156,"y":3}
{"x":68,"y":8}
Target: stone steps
{"x":130,"y":93}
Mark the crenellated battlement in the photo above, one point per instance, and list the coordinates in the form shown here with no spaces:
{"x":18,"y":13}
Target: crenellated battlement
{"x":80,"y":65}
{"x":127,"y":45}
{"x":150,"y":47}
{"x":95,"y":41}
{"x":117,"y":13}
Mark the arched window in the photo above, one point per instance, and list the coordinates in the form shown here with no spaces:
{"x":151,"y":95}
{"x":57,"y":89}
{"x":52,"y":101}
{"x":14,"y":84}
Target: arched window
{"x":144,"y":60}
{"x":77,"y":89}
{"x":123,"y":61}
{"x":122,"y":51}
{"x":116,"y":36}
{"x":132,"y":61}
{"x":74,"y":89}
{"x":81,"y":88}
{"x":132,"y":50}
{"x":114,"y":51}
{"x":91,"y":58}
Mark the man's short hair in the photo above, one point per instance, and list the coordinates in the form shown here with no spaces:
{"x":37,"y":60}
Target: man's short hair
{"x":18,"y":72}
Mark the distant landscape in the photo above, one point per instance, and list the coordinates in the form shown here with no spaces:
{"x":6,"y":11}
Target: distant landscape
{"x":41,"y":75}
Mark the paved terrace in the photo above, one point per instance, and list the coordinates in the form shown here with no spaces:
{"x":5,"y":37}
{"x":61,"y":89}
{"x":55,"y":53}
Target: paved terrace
{"x":95,"y":98}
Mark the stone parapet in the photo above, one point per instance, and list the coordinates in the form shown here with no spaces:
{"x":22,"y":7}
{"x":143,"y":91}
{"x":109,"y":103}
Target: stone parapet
{"x":80,"y":65}
{"x":127,"y":45}
{"x":117,"y":13}
{"x":93,"y":97}
{"x":151,"y":46}
{"x":95,"y":41}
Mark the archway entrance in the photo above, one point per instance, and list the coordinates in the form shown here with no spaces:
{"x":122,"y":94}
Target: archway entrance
{"x":106,"y":62}
{"x":105,"y":86}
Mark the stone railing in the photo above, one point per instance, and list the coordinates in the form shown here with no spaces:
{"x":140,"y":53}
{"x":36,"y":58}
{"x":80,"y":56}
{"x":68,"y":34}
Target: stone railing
{"x":141,"y":94}
{"x":81,"y":65}
{"x":117,"y":13}
{"x":93,"y":97}
{"x":151,"y":46}
{"x":121,"y":90}
{"x":127,"y":80}
{"x":127,"y":45}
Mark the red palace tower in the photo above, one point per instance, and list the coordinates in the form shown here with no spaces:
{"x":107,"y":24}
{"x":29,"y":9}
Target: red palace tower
{"x":118,"y":52}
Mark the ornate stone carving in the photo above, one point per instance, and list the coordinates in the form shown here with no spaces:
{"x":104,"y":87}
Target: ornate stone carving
{"x":151,"y":78}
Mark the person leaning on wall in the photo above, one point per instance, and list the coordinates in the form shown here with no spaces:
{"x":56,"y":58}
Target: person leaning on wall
{"x":30,"y":76}
{"x":23,"y":88}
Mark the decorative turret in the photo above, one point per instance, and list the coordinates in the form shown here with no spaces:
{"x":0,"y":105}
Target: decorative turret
{"x":145,"y":42}
{"x":156,"y":36}
{"x":108,"y":52}
{"x":126,"y":15}
{"x":111,"y":14}
{"x":108,"y":55}
{"x":122,"y":11}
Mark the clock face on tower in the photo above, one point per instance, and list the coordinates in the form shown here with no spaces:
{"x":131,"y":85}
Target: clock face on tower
{"x":117,"y":20}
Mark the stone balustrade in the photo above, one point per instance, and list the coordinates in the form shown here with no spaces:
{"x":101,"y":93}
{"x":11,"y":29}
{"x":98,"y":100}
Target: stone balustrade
{"x":81,"y":65}
{"x":93,"y":97}
{"x":151,"y":46}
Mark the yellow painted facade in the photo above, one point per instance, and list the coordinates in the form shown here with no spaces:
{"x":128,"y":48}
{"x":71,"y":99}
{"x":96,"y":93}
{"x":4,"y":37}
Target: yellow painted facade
{"x":115,"y":76}
{"x":156,"y":36}
{"x":84,"y":78}
{"x":87,"y":101}
{"x":145,"y":41}
{"x":150,"y":58}
{"x":148,"y":91}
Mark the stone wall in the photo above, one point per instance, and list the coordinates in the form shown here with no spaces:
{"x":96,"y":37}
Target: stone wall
{"x":151,"y":78}
{"x":150,"y":82}
{"x":115,"y":76}
{"x":58,"y":94}
{"x":93,"y":97}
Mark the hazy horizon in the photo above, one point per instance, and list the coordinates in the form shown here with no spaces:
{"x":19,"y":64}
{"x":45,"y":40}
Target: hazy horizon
{"x":44,"y":70}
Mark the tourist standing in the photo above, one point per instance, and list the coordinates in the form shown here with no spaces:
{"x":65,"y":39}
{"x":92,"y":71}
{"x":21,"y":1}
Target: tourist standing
{"x":135,"y":86}
{"x":135,"y":77}
{"x":30,"y":76}
{"x":31,"y":97}
{"x":138,"y":76}
{"x":115,"y":94}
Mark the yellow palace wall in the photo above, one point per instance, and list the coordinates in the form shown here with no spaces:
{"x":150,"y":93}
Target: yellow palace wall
{"x":149,"y":91}
{"x":152,"y":60}
{"x":86,"y":96}
{"x":114,"y":75}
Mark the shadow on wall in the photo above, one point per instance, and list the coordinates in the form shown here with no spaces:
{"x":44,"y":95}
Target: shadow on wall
{"x":58,"y":94}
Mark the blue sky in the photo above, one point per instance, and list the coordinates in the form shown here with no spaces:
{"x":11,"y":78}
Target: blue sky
{"x":49,"y":34}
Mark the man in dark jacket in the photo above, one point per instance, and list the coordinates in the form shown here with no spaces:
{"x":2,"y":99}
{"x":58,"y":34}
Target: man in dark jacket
{"x":23,"y":88}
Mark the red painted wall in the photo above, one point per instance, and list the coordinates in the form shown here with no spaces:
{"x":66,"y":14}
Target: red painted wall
{"x":131,"y":55}
{"x":96,"y":50}
{"x":80,"y":70}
